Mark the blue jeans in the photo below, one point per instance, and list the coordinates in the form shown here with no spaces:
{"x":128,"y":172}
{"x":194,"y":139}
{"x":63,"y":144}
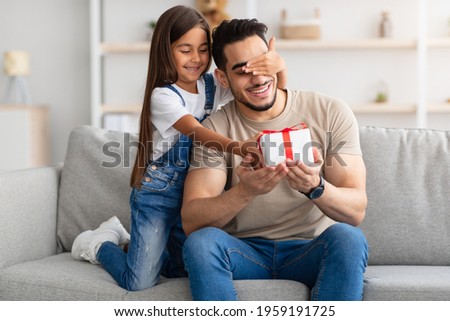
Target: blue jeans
{"x":156,"y":232}
{"x":332,"y":265}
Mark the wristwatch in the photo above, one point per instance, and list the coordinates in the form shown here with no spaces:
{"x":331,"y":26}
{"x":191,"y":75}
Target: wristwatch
{"x":316,"y":192}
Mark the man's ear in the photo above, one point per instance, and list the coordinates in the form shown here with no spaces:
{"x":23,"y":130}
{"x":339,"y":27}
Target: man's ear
{"x":222,"y":78}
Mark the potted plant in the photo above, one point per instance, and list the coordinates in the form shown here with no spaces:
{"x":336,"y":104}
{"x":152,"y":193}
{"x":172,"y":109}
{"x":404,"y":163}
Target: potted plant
{"x":381,"y":93}
{"x":150,"y":27}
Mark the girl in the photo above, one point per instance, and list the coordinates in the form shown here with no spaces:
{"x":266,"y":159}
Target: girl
{"x":179,"y":94}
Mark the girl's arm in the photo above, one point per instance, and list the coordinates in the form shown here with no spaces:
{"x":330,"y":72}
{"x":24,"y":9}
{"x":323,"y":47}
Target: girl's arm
{"x":269,"y":63}
{"x":191,"y":127}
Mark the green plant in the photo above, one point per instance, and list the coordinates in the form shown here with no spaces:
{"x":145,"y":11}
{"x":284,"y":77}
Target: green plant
{"x":151,"y":24}
{"x":381,"y":97}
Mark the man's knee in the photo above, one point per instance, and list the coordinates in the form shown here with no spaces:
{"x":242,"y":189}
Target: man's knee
{"x":348,"y":237}
{"x":201,"y":241}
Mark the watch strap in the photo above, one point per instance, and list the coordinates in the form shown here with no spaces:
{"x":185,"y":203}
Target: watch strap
{"x":317,"y":191}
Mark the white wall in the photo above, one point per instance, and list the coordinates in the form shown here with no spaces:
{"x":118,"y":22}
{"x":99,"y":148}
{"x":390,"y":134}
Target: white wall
{"x":56,"y":33}
{"x":352,"y":75}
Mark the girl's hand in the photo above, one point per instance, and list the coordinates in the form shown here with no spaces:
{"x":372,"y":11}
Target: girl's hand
{"x":269,"y":63}
{"x":250,"y":148}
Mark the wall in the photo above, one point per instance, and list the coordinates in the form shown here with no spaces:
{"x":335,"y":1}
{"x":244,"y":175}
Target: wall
{"x":354,"y":75}
{"x":350,"y":74}
{"x":56,"y":33}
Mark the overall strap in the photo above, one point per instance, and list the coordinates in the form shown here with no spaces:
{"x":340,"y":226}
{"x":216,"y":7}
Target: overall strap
{"x":179,"y":153}
{"x":210,"y":90}
{"x":177,"y":92}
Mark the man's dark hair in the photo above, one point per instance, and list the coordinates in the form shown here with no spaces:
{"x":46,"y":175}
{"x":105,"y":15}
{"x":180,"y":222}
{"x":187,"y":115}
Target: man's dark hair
{"x":231,"y":31}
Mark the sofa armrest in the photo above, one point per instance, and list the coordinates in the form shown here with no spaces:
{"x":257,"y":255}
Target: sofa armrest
{"x":28,"y":212}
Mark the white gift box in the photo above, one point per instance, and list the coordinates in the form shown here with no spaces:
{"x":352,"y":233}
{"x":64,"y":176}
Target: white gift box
{"x":292,"y":143}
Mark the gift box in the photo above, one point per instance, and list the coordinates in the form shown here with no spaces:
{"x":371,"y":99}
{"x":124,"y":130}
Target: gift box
{"x":290,"y":143}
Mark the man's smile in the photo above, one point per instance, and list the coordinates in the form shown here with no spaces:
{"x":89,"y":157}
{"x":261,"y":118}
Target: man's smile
{"x":261,"y":90}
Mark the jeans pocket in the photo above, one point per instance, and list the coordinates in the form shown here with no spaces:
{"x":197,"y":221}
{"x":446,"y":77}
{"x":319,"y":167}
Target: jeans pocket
{"x":155,"y":181}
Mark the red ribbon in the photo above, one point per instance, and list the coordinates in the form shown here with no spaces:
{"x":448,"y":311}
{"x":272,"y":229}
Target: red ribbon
{"x":286,"y":137}
{"x":286,"y":130}
{"x":288,"y":145}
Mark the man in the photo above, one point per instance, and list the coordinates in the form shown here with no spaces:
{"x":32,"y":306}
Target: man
{"x":291,"y":221}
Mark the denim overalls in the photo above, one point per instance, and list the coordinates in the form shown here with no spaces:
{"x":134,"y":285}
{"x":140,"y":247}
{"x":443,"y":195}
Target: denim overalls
{"x":156,"y":233}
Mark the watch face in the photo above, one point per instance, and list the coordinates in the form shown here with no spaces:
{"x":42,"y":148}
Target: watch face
{"x":316,"y":193}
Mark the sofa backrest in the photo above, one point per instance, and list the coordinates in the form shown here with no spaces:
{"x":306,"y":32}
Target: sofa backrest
{"x":94,"y":181}
{"x":408,"y":172}
{"x":408,"y":215}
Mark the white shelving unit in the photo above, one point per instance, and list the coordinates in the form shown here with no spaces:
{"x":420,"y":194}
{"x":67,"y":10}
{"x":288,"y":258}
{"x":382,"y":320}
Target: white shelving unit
{"x":95,"y":18}
{"x":418,"y":107}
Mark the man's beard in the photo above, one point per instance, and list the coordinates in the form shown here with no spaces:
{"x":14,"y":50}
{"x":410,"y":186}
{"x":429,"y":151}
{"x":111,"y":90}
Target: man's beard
{"x":252,"y":106}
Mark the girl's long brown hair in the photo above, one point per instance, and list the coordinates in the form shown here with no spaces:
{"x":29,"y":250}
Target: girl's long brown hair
{"x":170,"y":27}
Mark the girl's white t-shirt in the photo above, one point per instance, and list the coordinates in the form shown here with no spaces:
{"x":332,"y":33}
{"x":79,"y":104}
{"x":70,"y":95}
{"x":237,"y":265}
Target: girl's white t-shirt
{"x":167,"y":109}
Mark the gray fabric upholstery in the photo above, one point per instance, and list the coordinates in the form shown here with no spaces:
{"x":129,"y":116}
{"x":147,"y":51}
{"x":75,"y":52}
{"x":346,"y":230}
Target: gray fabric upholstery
{"x":407,"y":283}
{"x":28,"y":204}
{"x":59,"y":277}
{"x":407,"y":222}
{"x":408,"y":215}
{"x":94,"y":185}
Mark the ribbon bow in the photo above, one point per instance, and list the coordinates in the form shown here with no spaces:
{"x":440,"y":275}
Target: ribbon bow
{"x":285,"y":130}
{"x":286,"y":137}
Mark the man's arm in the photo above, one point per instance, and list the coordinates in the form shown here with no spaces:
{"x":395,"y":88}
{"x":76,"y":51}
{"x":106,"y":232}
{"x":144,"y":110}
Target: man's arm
{"x":204,"y":202}
{"x":344,"y":198}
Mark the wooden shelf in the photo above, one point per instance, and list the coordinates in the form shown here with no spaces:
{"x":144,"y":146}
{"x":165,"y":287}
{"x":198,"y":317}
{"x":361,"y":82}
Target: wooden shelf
{"x":13,"y":107}
{"x":439,"y":42}
{"x":375,"y":43}
{"x":121,"y":109}
{"x":124,"y":48}
{"x":380,"y":108}
{"x":367,"y":108}
{"x":439,"y":108}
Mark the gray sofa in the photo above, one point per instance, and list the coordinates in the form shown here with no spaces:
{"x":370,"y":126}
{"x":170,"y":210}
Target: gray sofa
{"x":42,"y":210}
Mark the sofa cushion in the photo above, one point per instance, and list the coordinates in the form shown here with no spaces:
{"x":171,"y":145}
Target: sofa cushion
{"x":28,"y":207}
{"x":408,"y":214}
{"x":60,"y":278}
{"x":407,"y":283}
{"x":94,"y":181}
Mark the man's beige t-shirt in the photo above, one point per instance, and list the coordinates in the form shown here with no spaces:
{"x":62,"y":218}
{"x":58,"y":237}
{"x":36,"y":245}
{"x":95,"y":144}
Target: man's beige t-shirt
{"x":284,"y":213}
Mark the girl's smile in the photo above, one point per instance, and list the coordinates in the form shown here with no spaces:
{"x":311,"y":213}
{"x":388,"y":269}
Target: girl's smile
{"x":191,"y":56}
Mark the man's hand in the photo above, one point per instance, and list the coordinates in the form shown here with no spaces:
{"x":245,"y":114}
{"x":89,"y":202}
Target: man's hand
{"x":304,"y":178}
{"x":205,"y":203}
{"x":260,"y":181}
